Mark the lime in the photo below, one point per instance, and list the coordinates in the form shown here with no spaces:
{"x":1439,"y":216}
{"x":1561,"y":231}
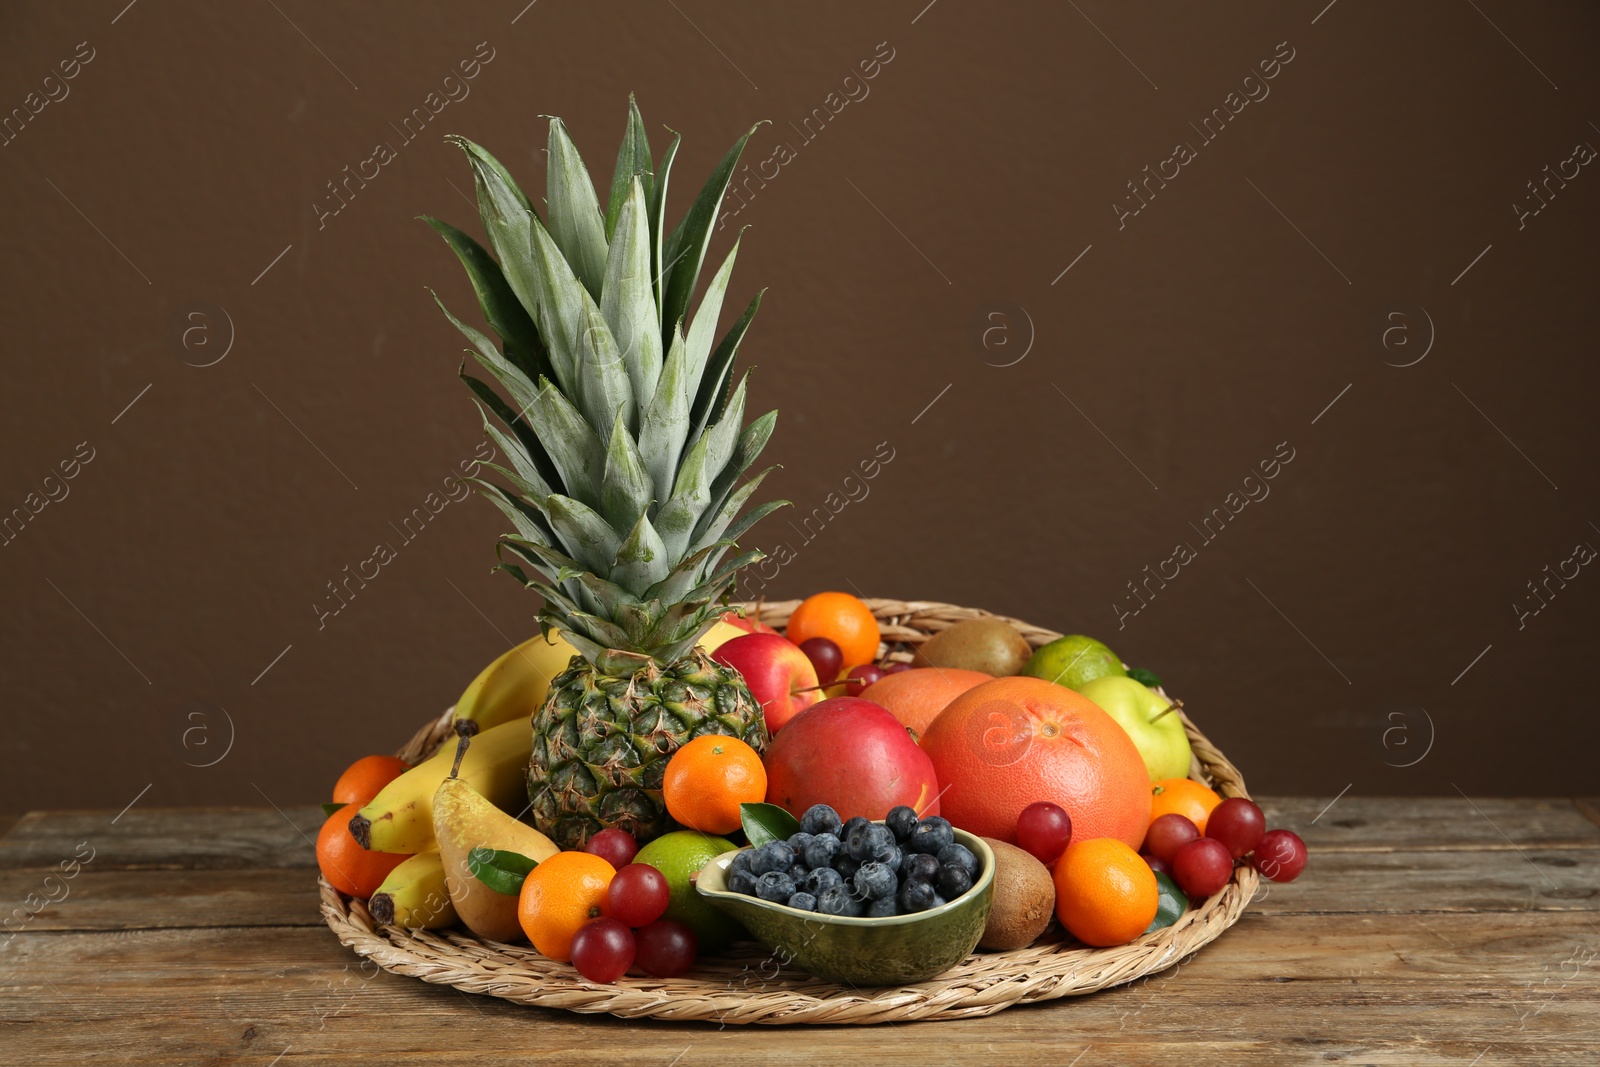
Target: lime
{"x":679,"y":855}
{"x":1073,"y":660}
{"x":1170,"y":903}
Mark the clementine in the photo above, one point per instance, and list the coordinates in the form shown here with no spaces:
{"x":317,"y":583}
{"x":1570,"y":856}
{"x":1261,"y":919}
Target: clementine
{"x":1005,"y":744}
{"x":841,"y":618}
{"x":1105,"y":894}
{"x":916,"y":697}
{"x":559,"y":896}
{"x":348,"y":867}
{"x":362,"y":780}
{"x":1183,"y":796}
{"x":708,"y":778}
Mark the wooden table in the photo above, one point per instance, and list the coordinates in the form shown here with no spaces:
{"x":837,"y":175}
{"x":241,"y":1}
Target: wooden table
{"x":1441,"y":930}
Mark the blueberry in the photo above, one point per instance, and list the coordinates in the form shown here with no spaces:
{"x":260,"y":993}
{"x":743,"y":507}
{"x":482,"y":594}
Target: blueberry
{"x":821,"y":850}
{"x":798,"y":872}
{"x":773,"y":856}
{"x":902,"y":822}
{"x":821,"y":878}
{"x":742,"y":860}
{"x":938,"y":901}
{"x":845,"y":866}
{"x":920,"y":867}
{"x":775,"y":886}
{"x":874,"y":881}
{"x":799,"y":841}
{"x":933,"y":833}
{"x":916,"y":896}
{"x":869,"y":842}
{"x":803,"y":901}
{"x":820,"y":819}
{"x":882,"y":908}
{"x":742,"y":882}
{"x":838,"y":901}
{"x":952,"y":882}
{"x":959,"y":855}
{"x":850,"y":824}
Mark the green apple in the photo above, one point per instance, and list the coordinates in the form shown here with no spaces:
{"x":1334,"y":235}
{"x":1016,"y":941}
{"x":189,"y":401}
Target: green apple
{"x":1149,"y":719}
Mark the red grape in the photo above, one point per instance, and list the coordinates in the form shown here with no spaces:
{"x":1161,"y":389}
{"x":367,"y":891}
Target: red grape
{"x":666,"y":948}
{"x":1237,"y":823}
{"x":861,"y":677}
{"x":1160,"y":866}
{"x":639,"y":894}
{"x":1167,"y":834}
{"x":1044,"y":829}
{"x":894,"y":667}
{"x":616,"y":847}
{"x":1202,"y":867}
{"x":603,"y":950}
{"x":824,"y":656}
{"x":1280,"y":855}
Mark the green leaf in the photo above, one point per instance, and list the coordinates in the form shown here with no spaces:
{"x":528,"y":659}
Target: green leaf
{"x":577,"y":453}
{"x":501,"y":308}
{"x":524,"y":433}
{"x":1144,"y":677}
{"x":576,"y":223}
{"x":679,"y":515}
{"x":1170,"y":903}
{"x":500,"y":870}
{"x":511,"y":377}
{"x":685,"y":250}
{"x":704,"y":328}
{"x":633,"y":161}
{"x":642,"y":560}
{"x":658,"y":234}
{"x":509,"y":222}
{"x":628,"y":303}
{"x":765,"y":823}
{"x":625,"y":486}
{"x":330,"y":810}
{"x":665,"y":425}
{"x":588,"y":537}
{"x":713,"y":391}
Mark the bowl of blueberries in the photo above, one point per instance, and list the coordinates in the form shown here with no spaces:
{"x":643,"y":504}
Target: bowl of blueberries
{"x":860,"y":902}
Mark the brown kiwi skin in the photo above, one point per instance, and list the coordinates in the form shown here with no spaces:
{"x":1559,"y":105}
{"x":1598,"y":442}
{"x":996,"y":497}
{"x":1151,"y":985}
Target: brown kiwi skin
{"x":1024,"y":899}
{"x":988,"y":645}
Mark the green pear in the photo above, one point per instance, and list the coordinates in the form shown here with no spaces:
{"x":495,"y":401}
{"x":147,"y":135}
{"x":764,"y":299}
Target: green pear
{"x":1149,"y":718}
{"x":463,"y":819}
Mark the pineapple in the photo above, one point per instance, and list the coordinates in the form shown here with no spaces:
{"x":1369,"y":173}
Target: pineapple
{"x":625,"y":451}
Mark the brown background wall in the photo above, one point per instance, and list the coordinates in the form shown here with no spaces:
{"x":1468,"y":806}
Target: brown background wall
{"x":1321,"y":639}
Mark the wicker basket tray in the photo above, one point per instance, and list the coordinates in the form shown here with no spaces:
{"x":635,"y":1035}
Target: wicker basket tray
{"x":746,"y":985}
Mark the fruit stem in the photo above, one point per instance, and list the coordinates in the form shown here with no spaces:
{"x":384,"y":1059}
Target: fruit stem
{"x":1176,"y":705}
{"x":461,"y":746}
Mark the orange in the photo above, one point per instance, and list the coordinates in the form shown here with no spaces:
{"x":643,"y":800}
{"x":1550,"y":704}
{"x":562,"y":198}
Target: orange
{"x":1105,"y":894}
{"x":841,"y":618}
{"x":362,"y":780}
{"x":1005,"y":744}
{"x":348,"y":867}
{"x":708,"y":778}
{"x":1183,"y":796}
{"x":916,"y":697}
{"x":560,"y":895}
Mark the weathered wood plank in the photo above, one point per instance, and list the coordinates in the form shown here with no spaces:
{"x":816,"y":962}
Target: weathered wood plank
{"x":1589,"y":807}
{"x":1275,"y":989}
{"x":191,"y":838}
{"x":1448,"y":822}
{"x":155,"y":899}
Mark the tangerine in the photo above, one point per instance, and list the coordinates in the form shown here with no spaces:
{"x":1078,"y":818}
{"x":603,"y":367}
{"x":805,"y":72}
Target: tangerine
{"x":1005,"y":744}
{"x":841,"y":618}
{"x":559,"y":896}
{"x":916,"y":697}
{"x":363,"y":779}
{"x":349,"y":868}
{"x":1183,"y":796}
{"x":1105,"y":894}
{"x":708,"y":778}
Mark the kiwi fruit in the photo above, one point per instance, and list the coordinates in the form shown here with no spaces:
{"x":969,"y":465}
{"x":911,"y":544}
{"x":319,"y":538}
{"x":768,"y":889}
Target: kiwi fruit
{"x":1024,"y":899}
{"x":987,"y":645}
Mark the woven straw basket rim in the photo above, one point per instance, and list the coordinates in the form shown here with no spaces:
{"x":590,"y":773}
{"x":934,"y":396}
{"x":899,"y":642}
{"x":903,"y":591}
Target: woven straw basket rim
{"x":746,"y":985}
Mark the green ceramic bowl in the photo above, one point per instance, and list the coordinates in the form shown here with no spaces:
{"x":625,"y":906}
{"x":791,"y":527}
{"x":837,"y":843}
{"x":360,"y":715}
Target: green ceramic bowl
{"x":895,"y":951}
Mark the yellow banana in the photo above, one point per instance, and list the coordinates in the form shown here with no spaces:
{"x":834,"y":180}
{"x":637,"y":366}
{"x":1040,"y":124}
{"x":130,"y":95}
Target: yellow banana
{"x":513,"y":686}
{"x":400,"y":818}
{"x":415,"y":895}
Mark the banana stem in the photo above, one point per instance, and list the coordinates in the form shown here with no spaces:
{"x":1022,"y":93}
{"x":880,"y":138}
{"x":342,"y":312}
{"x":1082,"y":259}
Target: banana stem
{"x":461,"y":746}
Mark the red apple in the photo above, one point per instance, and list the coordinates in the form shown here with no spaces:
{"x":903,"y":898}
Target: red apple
{"x":774,"y":668}
{"x":749,"y":624}
{"x":851,"y":754}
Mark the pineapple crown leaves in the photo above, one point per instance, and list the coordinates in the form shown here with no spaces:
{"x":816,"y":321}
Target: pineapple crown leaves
{"x":617,"y":413}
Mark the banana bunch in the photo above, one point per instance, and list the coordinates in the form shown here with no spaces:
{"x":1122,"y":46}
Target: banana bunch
{"x":400,"y":817}
{"x":415,"y":895}
{"x":513,"y":686}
